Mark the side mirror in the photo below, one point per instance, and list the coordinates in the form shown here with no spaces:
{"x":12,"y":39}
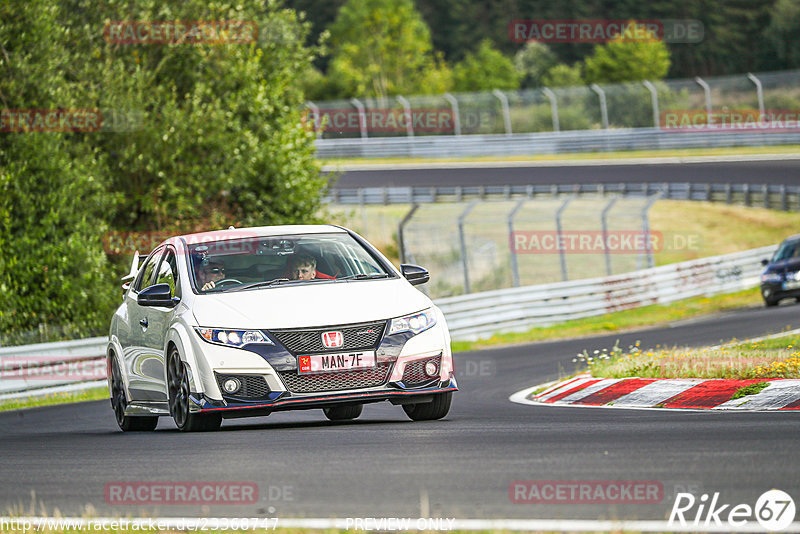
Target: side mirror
{"x":415,"y":274}
{"x":157,"y":295}
{"x":764,"y":262}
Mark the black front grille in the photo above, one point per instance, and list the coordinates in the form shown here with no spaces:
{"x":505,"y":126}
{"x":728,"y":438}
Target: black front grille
{"x":355,"y":337}
{"x":362,"y":378}
{"x":253,"y":386}
{"x":414,"y":373}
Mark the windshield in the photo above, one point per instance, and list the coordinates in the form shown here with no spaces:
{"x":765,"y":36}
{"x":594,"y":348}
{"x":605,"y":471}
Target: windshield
{"x":788,"y":249}
{"x":234,"y":265}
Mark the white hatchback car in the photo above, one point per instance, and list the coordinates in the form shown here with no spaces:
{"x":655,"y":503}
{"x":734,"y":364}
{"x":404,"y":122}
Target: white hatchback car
{"x":246,"y":322}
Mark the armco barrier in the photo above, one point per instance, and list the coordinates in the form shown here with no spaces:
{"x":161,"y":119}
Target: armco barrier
{"x":43,"y":365}
{"x":770,"y":196}
{"x":480,"y":315}
{"x":622,"y":139}
{"x":469,"y":317}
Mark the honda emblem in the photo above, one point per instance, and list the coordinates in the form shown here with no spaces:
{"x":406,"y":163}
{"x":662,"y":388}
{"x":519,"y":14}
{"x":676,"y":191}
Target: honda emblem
{"x":332,"y":340}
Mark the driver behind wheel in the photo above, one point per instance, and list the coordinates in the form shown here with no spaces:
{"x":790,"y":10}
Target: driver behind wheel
{"x":209,"y":274}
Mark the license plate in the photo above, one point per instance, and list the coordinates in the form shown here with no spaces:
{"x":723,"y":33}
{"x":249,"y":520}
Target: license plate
{"x":791,"y":285}
{"x":332,"y":363}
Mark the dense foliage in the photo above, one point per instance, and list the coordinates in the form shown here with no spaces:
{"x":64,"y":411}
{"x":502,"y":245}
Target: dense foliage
{"x":739,"y":36}
{"x":193,"y":137}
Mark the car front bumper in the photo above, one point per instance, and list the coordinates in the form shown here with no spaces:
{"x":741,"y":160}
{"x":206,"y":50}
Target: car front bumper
{"x":284,"y":400}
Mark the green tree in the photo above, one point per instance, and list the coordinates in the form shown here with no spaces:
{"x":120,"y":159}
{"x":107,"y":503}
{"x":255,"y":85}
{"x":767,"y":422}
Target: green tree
{"x":53,"y":271}
{"x":383,"y":47}
{"x":628,"y":58}
{"x":532,"y":62}
{"x":563,"y":76}
{"x":782,"y":35}
{"x":216,"y":139}
{"x":484,"y":70}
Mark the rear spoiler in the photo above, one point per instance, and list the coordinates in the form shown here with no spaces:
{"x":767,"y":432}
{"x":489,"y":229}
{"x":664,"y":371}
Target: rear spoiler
{"x":134,"y":268}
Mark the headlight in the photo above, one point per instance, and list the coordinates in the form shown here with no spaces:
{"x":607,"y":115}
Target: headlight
{"x":233,"y":338}
{"x":771,"y":277}
{"x":419,"y":322}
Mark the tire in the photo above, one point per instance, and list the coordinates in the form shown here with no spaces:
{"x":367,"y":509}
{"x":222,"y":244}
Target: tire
{"x":769,"y":297}
{"x":119,"y":402}
{"x":178,"y":390}
{"x":343,"y":413}
{"x":429,"y":411}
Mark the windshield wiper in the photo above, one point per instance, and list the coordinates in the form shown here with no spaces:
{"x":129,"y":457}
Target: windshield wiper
{"x":265,"y":284}
{"x":362,"y":276}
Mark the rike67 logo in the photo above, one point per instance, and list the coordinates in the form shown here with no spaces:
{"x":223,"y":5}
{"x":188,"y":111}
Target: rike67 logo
{"x":774,"y":511}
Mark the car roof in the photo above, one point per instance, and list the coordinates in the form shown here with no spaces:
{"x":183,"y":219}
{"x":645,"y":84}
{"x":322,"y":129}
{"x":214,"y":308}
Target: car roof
{"x":262,"y":231}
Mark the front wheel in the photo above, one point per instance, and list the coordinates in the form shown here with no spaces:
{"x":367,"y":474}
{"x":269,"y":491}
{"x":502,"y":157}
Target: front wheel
{"x":178,"y":386}
{"x":343,"y":413}
{"x":429,"y":411}
{"x":119,"y":402}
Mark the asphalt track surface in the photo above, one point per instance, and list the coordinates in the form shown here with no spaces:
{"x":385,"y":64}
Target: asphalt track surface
{"x":383,"y":465}
{"x":753,"y":172}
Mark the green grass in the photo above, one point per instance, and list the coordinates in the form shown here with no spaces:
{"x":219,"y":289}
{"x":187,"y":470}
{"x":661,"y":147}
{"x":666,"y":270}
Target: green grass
{"x":752,"y":389}
{"x":92,"y":394}
{"x":686,"y":152}
{"x":621,"y":321}
{"x":746,"y":360}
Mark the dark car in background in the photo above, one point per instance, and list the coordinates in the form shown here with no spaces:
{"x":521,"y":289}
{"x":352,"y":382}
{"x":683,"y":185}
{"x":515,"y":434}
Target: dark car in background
{"x":781,"y":279}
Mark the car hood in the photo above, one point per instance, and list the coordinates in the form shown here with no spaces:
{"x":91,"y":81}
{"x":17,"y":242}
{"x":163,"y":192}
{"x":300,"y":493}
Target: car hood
{"x":787,"y":265}
{"x":309,"y":305}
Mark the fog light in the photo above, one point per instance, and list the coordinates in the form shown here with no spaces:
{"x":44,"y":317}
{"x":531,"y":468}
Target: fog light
{"x":231,"y":385}
{"x":431,"y":369}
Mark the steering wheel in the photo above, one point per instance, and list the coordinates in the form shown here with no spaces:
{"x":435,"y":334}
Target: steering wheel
{"x":226,"y":281}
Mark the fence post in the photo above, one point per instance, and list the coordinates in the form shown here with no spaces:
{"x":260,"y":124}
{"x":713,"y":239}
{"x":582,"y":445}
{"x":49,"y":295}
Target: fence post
{"x":553,"y":108}
{"x":463,"y":244}
{"x":603,"y":105}
{"x":407,"y":111}
{"x":759,"y":92}
{"x":315,"y":110}
{"x":401,"y":245}
{"x":766,"y":196}
{"x":362,"y":116}
{"x":506,"y":113}
{"x":456,"y":117}
{"x":511,"y":245}
{"x":654,"y":100}
{"x":707,"y":91}
{"x":559,"y":233}
{"x":604,"y":226}
{"x":648,"y":250}
{"x":784,"y":200}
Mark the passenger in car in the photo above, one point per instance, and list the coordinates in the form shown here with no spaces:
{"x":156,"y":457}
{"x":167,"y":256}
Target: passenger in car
{"x":304,"y":267}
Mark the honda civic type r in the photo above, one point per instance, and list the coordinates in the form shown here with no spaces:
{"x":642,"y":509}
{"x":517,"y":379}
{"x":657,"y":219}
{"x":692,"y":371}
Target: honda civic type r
{"x":246,"y":322}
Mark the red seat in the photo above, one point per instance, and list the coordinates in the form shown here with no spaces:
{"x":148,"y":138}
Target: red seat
{"x":325,"y":276}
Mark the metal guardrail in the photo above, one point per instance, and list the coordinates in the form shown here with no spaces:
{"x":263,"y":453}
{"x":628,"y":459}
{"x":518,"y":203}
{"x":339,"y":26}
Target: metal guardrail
{"x":543,"y":143}
{"x":469,"y":317}
{"x":771,"y":196}
{"x":480,"y":315}
{"x":43,"y":365}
